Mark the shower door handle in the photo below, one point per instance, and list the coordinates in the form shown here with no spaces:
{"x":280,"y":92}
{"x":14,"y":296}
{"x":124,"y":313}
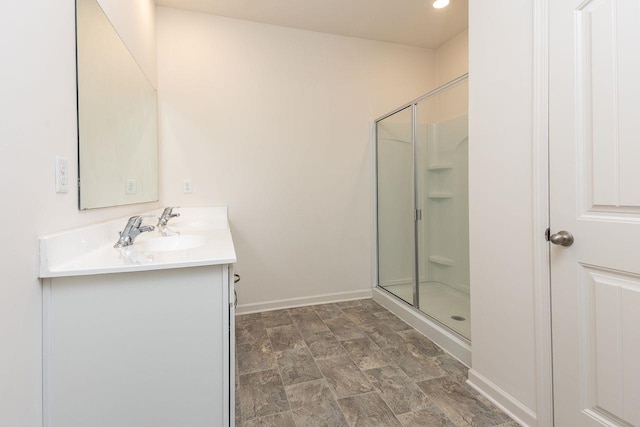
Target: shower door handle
{"x":562,"y":238}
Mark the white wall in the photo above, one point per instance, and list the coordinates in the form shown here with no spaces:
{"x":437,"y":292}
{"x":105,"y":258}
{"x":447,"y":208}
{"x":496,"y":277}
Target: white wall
{"x":452,"y":58}
{"x":501,"y":210}
{"x":38,"y":122}
{"x":275,"y":123}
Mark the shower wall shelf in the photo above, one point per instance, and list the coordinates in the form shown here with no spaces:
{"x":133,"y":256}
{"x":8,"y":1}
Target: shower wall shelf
{"x":442,"y":166}
{"x":440,"y":195}
{"x":437,"y":259}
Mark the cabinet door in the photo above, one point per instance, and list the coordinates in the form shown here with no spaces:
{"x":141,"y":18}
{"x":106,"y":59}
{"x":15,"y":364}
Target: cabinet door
{"x":137,"y":349}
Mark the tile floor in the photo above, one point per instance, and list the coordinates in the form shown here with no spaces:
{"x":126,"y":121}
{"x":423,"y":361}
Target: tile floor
{"x":350,"y":363}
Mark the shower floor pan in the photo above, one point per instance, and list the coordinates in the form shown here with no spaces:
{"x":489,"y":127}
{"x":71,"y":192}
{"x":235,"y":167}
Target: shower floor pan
{"x":441,"y":302}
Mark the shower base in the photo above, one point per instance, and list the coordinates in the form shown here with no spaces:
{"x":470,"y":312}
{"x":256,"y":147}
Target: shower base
{"x":441,"y":302}
{"x":445,"y":337}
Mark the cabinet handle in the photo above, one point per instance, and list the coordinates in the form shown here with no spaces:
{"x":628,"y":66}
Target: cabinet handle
{"x":235,"y":299}
{"x":236,"y":278}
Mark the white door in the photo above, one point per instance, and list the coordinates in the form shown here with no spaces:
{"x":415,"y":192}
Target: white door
{"x":595,"y":194}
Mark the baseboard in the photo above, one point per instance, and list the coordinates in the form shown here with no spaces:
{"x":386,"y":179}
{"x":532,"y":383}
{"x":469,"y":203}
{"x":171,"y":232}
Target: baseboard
{"x":298,"y":302}
{"x":512,"y":407}
{"x":445,"y":339}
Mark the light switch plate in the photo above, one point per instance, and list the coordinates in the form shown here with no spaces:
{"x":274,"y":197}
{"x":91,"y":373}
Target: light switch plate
{"x":132,"y":186}
{"x":62,"y":175}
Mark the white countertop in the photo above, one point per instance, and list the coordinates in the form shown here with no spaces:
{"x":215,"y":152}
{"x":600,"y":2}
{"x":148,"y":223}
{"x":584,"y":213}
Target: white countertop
{"x":89,"y":250}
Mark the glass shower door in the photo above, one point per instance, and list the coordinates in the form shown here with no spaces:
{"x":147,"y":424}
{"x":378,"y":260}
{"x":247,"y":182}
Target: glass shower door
{"x":442,"y":195}
{"x":395,"y":207}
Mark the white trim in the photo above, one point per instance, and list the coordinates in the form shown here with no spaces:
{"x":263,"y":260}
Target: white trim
{"x":231,"y":333}
{"x":507,"y":403}
{"x":374,"y":203}
{"x":540,"y":166}
{"x":298,"y":302}
{"x":46,"y":353}
{"x":226,"y":379}
{"x":445,"y":339}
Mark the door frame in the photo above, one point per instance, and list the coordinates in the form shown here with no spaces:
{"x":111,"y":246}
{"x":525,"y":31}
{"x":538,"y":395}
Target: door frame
{"x":541,"y":221}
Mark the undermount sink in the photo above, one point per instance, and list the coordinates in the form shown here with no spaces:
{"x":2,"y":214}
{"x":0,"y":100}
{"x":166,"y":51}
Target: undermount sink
{"x":171,"y":243}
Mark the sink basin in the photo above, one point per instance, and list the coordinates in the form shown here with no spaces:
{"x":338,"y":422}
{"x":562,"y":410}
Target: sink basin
{"x":191,"y":225}
{"x":171,"y":243}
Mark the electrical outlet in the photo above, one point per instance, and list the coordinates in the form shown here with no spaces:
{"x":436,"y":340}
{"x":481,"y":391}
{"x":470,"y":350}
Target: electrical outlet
{"x":132,"y":186}
{"x":62,"y":175}
{"x":186,"y":186}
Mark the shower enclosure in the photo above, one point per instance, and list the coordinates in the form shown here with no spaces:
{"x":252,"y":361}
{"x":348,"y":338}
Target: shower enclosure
{"x":422,"y":205}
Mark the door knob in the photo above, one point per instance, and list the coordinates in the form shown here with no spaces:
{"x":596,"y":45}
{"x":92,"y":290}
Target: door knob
{"x":562,"y":238}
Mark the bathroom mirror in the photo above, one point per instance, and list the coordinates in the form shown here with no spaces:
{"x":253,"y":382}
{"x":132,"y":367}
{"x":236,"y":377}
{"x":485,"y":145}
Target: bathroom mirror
{"x":117,"y":117}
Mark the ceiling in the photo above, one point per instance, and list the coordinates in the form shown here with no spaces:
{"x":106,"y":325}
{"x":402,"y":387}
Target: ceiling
{"x":410,"y":22}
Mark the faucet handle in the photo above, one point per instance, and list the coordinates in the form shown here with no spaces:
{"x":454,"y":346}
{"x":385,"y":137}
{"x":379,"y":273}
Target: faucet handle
{"x":166,"y":215}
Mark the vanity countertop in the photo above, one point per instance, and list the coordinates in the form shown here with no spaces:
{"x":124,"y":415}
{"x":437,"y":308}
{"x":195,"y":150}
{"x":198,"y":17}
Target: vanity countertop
{"x":89,"y":250}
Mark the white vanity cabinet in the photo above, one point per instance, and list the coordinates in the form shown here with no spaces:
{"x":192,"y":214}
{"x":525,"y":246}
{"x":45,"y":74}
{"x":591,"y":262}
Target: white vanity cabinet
{"x":148,"y":347}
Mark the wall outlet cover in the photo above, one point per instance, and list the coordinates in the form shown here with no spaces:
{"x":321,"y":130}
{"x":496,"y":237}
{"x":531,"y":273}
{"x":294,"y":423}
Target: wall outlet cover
{"x":186,"y":186}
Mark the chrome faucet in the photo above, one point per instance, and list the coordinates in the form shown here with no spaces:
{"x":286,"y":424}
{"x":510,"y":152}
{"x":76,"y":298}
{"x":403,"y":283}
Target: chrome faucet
{"x":167,"y":214}
{"x":133,"y":228}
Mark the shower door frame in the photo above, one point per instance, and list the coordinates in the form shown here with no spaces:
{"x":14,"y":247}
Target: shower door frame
{"x":417,"y":213}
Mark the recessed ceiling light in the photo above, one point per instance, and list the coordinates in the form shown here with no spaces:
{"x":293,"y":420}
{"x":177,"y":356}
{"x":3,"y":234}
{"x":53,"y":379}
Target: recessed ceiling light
{"x":439,"y":4}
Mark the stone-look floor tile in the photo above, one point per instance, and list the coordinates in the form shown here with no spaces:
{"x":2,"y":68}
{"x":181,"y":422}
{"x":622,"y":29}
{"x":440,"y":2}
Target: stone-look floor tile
{"x":272,"y":319}
{"x":382,"y":334}
{"x":510,"y":423}
{"x":393,"y":321}
{"x":301,"y":310}
{"x":422,"y":343}
{"x":283,"y":419}
{"x":371,"y":305}
{"x":308,"y":322}
{"x":297,"y":366}
{"x":400,"y":393}
{"x":248,"y":318}
{"x":255,"y":355}
{"x":238,"y":410}
{"x":344,"y":329}
{"x":312,"y":404}
{"x":250,"y":331}
{"x":432,"y":417}
{"x":238,"y":417}
{"x":323,"y":345}
{"x":367,"y":410}
{"x":343,"y":376}
{"x":453,"y":368}
{"x":285,"y":338}
{"x":365,"y":353}
{"x":262,"y":393}
{"x":328,"y":311}
{"x":350,"y":303}
{"x":461,"y":404}
{"x":414,"y":362}
{"x":261,"y":399}
{"x":359,"y":315}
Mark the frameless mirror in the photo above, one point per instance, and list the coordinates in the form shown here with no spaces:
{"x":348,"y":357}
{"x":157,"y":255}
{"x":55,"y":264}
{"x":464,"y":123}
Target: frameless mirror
{"x":117,"y":117}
